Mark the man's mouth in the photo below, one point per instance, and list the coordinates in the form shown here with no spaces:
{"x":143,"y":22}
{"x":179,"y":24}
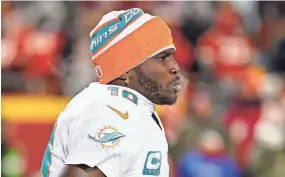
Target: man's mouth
{"x":176,"y":84}
{"x":177,"y":87}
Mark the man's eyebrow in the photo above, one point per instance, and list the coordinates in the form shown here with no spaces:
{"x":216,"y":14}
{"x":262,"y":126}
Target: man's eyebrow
{"x":169,"y":51}
{"x":166,"y":52}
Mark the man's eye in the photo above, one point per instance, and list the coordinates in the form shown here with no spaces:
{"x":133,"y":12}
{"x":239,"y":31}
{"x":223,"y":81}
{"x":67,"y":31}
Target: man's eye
{"x":163,"y":57}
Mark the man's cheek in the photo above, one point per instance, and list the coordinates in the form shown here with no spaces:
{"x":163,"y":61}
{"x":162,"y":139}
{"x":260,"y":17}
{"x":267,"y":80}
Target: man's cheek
{"x":166,"y":84}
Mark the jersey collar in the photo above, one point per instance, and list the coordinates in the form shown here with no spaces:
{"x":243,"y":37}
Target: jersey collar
{"x":142,"y":100}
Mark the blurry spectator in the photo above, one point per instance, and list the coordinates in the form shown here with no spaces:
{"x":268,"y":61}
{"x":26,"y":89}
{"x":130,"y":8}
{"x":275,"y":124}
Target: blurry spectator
{"x":197,"y":16}
{"x":42,"y":50}
{"x":278,"y":49}
{"x":225,"y":50}
{"x":209,"y":160}
{"x":249,"y":11}
{"x":272,"y":87}
{"x":269,"y":151}
{"x":12,"y":24}
{"x":33,"y":44}
{"x":201,"y":118}
{"x":54,"y":13}
{"x":240,"y":119}
{"x":271,"y":34}
{"x":13,"y":163}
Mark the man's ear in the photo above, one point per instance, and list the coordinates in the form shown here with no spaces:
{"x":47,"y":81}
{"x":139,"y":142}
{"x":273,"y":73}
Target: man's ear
{"x":125,"y":76}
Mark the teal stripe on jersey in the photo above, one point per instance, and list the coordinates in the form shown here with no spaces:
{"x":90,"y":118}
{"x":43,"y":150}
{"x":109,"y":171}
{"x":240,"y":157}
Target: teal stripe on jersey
{"x":47,"y":157}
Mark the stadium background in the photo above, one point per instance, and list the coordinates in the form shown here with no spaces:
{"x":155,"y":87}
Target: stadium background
{"x":229,"y":119}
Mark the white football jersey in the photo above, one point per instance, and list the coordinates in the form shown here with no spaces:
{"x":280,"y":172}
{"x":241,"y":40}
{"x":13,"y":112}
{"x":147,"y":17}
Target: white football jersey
{"x":111,"y":127}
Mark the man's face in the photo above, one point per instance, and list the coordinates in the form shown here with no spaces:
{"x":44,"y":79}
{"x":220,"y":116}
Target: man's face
{"x":158,"y":78}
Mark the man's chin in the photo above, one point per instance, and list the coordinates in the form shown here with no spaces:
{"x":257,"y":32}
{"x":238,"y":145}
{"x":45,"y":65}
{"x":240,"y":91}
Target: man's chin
{"x":169,"y":101}
{"x":173,"y":101}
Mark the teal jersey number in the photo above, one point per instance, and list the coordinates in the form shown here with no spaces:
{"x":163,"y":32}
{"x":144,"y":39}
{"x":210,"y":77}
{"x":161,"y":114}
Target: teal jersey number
{"x":126,"y":94}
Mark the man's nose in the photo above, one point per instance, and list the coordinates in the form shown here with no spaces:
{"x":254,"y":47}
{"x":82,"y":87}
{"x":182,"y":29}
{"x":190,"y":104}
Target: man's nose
{"x":174,"y":68}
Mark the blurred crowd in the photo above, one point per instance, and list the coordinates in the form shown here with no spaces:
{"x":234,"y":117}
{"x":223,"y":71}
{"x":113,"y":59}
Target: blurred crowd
{"x":229,"y":119}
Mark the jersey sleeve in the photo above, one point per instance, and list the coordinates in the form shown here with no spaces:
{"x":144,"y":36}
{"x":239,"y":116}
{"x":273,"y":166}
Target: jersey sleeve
{"x":105,"y":140}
